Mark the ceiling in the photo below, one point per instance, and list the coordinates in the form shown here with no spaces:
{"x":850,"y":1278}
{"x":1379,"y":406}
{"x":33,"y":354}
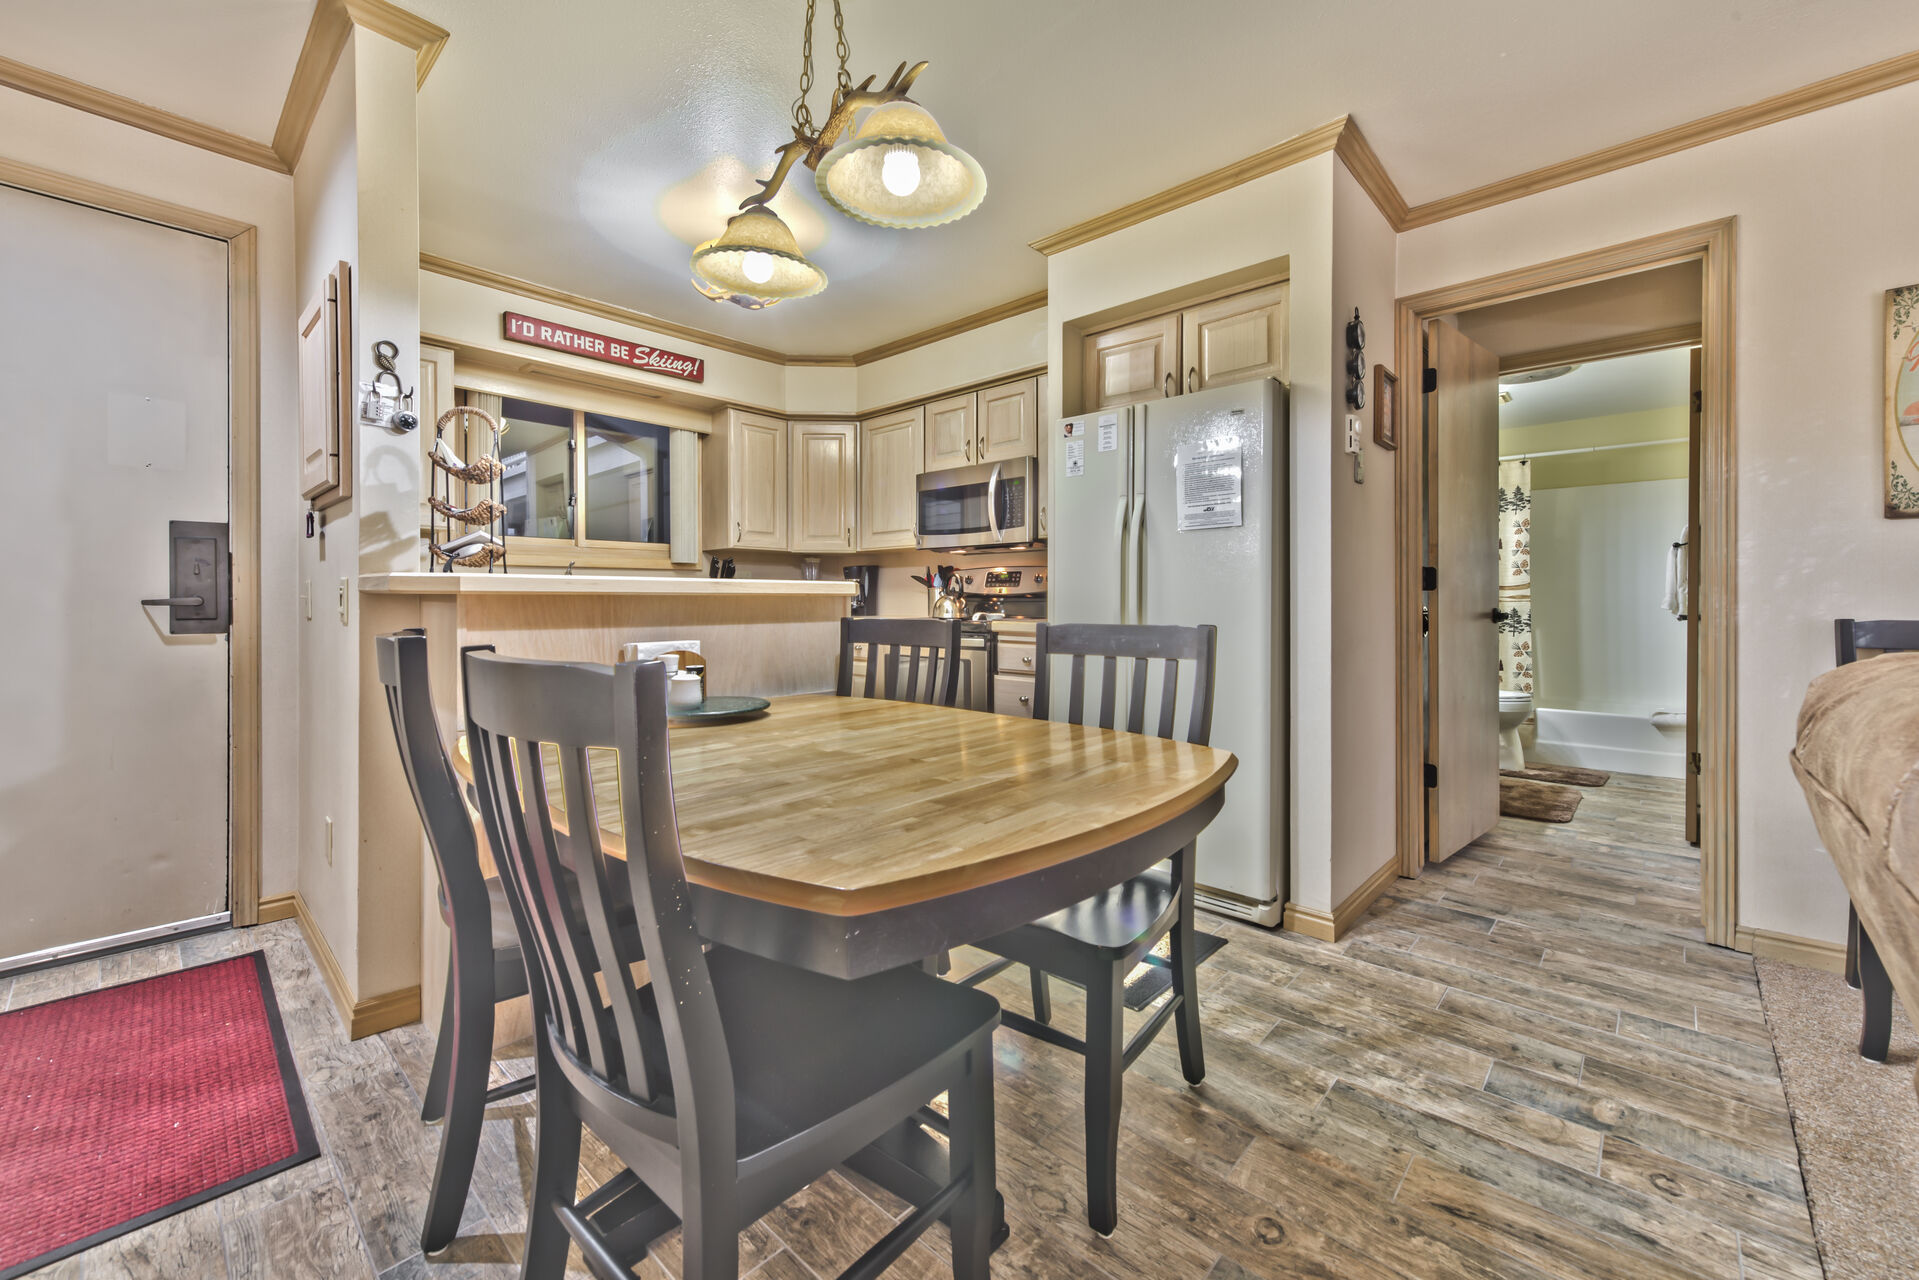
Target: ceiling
{"x":566,"y":144}
{"x":1624,"y":384}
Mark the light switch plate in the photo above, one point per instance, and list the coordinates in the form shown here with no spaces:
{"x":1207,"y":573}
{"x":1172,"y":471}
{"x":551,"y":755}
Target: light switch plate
{"x":1352,"y":434}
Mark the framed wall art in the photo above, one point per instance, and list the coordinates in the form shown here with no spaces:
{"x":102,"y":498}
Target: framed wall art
{"x":1902,"y":402}
{"x":1385,"y":407}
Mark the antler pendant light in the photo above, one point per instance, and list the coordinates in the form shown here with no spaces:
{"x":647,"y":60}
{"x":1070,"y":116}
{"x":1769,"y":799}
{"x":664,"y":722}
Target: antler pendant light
{"x":896,"y":170}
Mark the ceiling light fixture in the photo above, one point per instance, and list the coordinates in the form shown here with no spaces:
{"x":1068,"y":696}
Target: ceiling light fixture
{"x":896,"y":170}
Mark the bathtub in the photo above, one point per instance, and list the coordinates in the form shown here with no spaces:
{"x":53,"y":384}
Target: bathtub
{"x":1603,"y":740}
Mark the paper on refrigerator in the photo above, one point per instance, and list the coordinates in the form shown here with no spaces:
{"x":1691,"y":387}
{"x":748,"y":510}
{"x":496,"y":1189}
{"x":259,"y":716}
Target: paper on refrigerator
{"x":1209,"y":476}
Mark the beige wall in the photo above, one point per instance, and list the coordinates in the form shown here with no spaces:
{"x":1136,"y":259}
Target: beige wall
{"x":1288,"y":214}
{"x":37,"y":132}
{"x":1825,"y":226}
{"x":1006,"y":346}
{"x":1363,"y":537}
{"x":1614,"y":466}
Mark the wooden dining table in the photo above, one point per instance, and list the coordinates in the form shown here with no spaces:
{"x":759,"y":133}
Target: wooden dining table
{"x":854,"y":835}
{"x":850,"y":836}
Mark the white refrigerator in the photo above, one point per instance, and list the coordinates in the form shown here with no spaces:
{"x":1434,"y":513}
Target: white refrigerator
{"x":1174,"y":511}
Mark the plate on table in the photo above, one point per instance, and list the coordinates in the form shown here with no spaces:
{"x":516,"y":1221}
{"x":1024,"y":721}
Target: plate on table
{"x":714,"y":710}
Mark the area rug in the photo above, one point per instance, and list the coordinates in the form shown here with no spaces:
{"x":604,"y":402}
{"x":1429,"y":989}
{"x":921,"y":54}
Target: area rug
{"x":1565,"y":773}
{"x":1857,"y":1122}
{"x":1539,"y":801}
{"x":123,"y":1106}
{"x":1154,"y":973}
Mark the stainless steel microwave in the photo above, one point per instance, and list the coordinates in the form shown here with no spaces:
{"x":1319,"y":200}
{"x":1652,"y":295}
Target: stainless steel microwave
{"x":989,"y":504}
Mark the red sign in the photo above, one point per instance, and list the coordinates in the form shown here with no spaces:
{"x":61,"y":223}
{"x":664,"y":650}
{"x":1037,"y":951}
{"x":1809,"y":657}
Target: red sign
{"x":598,"y":346}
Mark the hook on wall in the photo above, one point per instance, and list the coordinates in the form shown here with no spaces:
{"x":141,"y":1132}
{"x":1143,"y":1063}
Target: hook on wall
{"x":380,"y":407}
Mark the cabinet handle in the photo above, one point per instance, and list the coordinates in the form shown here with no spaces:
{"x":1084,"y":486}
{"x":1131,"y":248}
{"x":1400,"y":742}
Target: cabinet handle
{"x":1024,"y":700}
{"x":1192,"y":378}
{"x":1027,"y":659}
{"x":969,"y":450}
{"x":1166,"y":387}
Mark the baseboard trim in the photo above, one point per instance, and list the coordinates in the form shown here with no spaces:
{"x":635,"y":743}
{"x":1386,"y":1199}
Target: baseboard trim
{"x":279,"y":907}
{"x":1814,"y":954}
{"x":1334,"y":925}
{"x":362,"y":1018}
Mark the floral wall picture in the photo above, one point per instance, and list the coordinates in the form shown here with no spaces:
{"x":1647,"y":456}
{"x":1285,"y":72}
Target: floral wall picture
{"x":1902,"y":402}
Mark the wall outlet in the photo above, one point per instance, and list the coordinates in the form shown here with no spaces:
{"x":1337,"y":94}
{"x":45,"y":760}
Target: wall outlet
{"x":343,"y":602}
{"x":329,"y":842}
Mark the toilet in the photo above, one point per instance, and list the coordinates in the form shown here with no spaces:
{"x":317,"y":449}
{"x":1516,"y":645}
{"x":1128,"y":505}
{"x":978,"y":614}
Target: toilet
{"x":1514,"y":707}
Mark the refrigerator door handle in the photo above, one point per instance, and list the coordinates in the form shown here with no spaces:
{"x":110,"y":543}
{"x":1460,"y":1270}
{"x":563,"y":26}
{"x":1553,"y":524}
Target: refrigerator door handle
{"x":1123,"y":518}
{"x":1139,"y":560}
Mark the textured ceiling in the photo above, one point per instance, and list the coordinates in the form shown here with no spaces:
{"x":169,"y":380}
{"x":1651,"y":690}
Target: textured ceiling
{"x":585,"y":144}
{"x":1626,"y":384}
{"x":222,"y":62}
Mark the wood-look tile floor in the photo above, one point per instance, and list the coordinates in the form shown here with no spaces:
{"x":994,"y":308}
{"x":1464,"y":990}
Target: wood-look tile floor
{"x":1523,"y":1064}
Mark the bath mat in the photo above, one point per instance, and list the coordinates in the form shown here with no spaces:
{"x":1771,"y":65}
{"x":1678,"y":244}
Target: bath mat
{"x":1540,"y":801}
{"x":123,"y":1106}
{"x":1559,"y":773}
{"x":1154,"y":975}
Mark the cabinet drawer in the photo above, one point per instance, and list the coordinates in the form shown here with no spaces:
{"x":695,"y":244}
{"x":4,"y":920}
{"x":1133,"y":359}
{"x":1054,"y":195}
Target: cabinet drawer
{"x":1016,"y":657}
{"x":1012,"y":694}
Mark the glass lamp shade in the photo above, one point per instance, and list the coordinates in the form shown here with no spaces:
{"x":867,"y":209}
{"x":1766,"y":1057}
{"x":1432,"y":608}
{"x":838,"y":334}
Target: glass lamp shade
{"x":871,"y":176}
{"x":756,"y":255}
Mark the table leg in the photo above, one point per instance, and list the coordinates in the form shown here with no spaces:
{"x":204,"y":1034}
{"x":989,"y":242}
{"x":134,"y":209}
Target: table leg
{"x":911,"y":1164}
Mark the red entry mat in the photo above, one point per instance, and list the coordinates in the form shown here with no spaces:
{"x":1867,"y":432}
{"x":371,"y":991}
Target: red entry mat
{"x":122,"y":1106}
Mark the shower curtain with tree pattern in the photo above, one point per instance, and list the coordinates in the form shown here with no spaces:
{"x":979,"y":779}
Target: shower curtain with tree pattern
{"x":1516,"y":657}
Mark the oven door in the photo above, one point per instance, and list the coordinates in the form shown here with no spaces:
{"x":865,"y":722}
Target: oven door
{"x":987,"y":505}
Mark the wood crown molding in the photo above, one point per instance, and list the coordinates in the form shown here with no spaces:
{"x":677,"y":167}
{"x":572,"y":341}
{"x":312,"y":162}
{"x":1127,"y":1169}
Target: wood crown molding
{"x":122,"y":110}
{"x":1625,"y":344}
{"x":1286,"y":154}
{"x":1331,"y":926}
{"x":333,"y":21}
{"x":667,"y":328}
{"x":1364,"y":164}
{"x":1832,"y":91}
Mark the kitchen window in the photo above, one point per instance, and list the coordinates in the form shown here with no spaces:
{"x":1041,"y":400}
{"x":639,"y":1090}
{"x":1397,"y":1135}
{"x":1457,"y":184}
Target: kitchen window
{"x":583,"y":488}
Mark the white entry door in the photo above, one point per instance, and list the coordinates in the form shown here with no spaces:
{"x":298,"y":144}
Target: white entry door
{"x":113,"y":422}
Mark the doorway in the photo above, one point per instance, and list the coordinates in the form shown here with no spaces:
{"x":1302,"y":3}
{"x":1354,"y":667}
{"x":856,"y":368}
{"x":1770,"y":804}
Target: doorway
{"x":128,"y":781}
{"x":1571,"y":294}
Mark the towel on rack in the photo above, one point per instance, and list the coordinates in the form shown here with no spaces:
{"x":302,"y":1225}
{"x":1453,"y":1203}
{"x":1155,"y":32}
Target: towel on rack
{"x":1678,"y":599}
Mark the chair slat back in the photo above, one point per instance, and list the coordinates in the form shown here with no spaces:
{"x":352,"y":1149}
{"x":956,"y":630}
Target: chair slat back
{"x":402,"y":661}
{"x":658,"y":1044}
{"x":927,"y":649}
{"x":1141,"y":646}
{"x":1884,"y":635}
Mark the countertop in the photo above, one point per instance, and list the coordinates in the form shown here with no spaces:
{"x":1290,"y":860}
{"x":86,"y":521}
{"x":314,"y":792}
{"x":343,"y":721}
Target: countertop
{"x":589,"y":584}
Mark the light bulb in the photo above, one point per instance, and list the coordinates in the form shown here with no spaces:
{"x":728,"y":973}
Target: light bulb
{"x":757,"y":266}
{"x":900,"y":172}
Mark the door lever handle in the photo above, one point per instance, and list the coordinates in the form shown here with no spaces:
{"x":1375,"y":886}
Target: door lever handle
{"x":179,"y":602}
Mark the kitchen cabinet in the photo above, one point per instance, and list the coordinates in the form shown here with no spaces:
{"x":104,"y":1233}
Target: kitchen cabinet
{"x":1132,"y":363}
{"x":823,"y":486}
{"x":1235,"y":339}
{"x":892,"y":451}
{"x":1008,"y":421}
{"x":1013,"y":694}
{"x":952,"y":432}
{"x":746,"y":483}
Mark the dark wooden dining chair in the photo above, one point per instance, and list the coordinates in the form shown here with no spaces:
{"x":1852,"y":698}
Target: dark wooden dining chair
{"x":921,"y":659}
{"x":1095,"y":943}
{"x":484,"y":964}
{"x":1865,"y":971}
{"x":728,"y":1082}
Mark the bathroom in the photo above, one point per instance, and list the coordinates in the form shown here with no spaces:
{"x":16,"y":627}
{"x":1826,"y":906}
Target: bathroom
{"x":1593,"y":495}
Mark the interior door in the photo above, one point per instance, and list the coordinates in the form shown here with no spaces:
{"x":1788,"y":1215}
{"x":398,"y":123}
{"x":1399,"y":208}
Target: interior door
{"x":1462,"y":652}
{"x":113,"y":397}
{"x":1235,"y":339}
{"x":1698,"y":403}
{"x":1138,"y":362}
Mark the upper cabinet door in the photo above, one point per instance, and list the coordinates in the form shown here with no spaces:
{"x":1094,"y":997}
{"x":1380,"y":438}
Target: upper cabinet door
{"x":823,"y":496}
{"x":757,"y":481}
{"x":1008,"y":421}
{"x":892,"y":450}
{"x":952,"y":432}
{"x":319,"y":413}
{"x":1235,"y":339}
{"x":1133,"y":363}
